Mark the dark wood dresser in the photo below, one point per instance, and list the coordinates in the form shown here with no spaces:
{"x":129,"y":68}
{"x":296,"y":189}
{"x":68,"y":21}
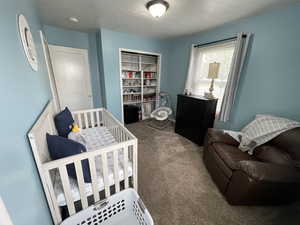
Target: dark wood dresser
{"x":194,"y":116}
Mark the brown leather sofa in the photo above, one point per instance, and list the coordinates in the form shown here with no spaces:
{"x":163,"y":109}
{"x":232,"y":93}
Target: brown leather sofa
{"x":270,"y":176}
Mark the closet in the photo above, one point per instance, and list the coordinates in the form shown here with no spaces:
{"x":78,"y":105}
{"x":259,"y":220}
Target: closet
{"x":140,"y":81}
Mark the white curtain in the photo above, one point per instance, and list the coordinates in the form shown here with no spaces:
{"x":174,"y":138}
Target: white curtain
{"x":237,"y":65}
{"x":194,"y":68}
{"x":231,"y":55}
{"x":197,"y":82}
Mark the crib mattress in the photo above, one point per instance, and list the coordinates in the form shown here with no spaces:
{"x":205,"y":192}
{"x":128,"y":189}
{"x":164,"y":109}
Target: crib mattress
{"x":96,"y":138}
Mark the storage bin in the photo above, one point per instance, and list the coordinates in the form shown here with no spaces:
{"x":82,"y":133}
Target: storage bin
{"x":131,"y":114}
{"x":123,"y":208}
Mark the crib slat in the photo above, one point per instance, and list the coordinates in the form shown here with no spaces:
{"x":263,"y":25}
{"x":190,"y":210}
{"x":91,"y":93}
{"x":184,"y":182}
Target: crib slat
{"x":135,"y":166}
{"x":53,"y":196}
{"x":86,"y":120}
{"x":120,"y":135}
{"x":101,"y":116}
{"x":67,"y":190}
{"x":116,"y":170}
{"x":105,"y":174}
{"x":117,"y":135}
{"x":94,"y":178}
{"x":126,"y":166}
{"x":123,"y":136}
{"x":104,"y":121}
{"x":80,"y":180}
{"x":114,"y":132}
{"x":97,"y":118}
{"x":79,"y":120}
{"x":92,"y":119}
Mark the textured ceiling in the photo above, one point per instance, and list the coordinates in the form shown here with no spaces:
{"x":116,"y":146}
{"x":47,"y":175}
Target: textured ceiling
{"x":183,"y":17}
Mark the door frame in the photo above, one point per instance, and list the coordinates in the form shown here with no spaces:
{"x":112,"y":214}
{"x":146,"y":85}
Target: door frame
{"x":46,"y":51}
{"x":86,"y":59}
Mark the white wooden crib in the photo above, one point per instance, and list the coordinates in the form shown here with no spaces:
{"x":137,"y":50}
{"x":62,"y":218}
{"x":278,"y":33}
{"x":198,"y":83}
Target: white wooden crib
{"x":125,"y":145}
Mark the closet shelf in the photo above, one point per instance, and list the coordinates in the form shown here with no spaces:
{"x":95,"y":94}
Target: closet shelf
{"x":132,"y":103}
{"x":149,"y":101}
{"x":148,"y":63}
{"x":127,"y":70}
{"x":129,"y":62}
{"x":136,"y":93}
{"x":131,"y":86}
{"x":131,"y":78}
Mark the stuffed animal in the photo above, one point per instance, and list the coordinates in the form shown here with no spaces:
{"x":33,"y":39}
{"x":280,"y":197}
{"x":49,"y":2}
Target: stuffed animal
{"x":75,"y":128}
{"x":76,"y":135}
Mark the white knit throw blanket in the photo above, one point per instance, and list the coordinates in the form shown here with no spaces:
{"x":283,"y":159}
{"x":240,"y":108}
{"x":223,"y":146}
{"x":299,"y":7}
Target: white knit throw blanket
{"x":261,"y":130}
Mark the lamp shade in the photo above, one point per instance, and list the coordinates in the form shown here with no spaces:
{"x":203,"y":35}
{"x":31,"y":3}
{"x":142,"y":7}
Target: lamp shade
{"x":213,"y":71}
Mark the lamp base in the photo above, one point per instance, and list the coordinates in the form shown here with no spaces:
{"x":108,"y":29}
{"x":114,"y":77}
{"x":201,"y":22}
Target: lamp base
{"x":209,"y":95}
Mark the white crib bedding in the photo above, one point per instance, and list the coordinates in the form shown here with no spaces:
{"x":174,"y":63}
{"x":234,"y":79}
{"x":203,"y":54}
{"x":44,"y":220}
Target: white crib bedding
{"x":96,"y":138}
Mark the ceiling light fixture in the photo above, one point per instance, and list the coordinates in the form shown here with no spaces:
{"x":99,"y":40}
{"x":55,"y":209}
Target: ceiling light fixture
{"x":157,"y":8}
{"x":74,"y":19}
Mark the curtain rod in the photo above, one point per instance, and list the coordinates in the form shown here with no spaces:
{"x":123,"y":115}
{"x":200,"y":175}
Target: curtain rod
{"x":215,"y":42}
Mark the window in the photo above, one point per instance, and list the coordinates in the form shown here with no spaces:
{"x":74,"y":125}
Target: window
{"x":199,"y":83}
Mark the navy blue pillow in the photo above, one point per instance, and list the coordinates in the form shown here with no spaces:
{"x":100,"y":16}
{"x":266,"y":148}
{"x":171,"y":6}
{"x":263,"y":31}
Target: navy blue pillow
{"x":63,"y":122}
{"x":60,"y":147}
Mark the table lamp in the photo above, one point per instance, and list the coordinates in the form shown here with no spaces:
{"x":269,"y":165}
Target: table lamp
{"x":213,"y":74}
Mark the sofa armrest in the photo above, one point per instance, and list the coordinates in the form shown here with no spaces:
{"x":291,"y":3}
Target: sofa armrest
{"x":218,"y":136}
{"x":268,"y":172}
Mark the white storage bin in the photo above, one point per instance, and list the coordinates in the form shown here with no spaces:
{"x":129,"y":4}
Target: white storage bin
{"x":123,"y":208}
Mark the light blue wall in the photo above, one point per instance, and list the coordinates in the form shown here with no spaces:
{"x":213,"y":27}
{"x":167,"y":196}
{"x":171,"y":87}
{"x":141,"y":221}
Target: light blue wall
{"x":269,"y":84}
{"x":270,"y":81}
{"x":66,"y":37}
{"x":75,"y":39}
{"x":23,"y":93}
{"x":110,"y":43}
{"x":94,"y":67}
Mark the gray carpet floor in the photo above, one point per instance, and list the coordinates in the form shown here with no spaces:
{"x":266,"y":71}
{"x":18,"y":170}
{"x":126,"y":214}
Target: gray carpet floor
{"x":177,"y":189}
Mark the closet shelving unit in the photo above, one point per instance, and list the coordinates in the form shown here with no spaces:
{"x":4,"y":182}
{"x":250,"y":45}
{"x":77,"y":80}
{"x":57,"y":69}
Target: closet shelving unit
{"x":140,"y":80}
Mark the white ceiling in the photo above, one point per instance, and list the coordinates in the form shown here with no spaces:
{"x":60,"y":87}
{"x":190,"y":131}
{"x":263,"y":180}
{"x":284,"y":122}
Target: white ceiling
{"x":183,"y":17}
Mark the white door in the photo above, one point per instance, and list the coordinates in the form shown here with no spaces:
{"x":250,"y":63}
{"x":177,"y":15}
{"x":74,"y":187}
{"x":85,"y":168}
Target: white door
{"x":72,"y":77}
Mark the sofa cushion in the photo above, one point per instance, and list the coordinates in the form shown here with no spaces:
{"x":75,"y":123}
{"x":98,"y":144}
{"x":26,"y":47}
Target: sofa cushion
{"x":219,"y":162}
{"x":273,"y":154}
{"x":289,"y":141}
{"x":218,"y":136}
{"x":220,"y":173}
{"x":269,"y":172}
{"x":231,"y":155}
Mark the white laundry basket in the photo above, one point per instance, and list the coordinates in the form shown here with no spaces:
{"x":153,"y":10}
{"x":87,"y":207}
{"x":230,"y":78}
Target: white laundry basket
{"x":123,"y":208}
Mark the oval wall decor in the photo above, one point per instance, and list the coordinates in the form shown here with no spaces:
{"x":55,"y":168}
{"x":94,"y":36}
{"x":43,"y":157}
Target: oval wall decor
{"x":27,"y":41}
